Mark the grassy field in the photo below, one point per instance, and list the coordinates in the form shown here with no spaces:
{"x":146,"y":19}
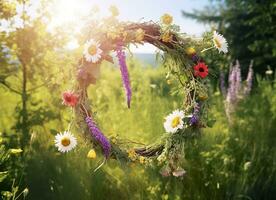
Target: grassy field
{"x":236,"y":161}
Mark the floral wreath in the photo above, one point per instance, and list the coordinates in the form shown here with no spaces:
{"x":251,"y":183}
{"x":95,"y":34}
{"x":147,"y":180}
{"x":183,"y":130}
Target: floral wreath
{"x":182,"y":56}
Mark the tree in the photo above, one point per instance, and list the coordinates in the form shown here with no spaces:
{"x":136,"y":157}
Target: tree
{"x":248,"y":25}
{"x":28,"y":61}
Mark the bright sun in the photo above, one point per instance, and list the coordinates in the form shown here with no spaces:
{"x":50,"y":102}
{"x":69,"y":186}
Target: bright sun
{"x":71,"y":13}
{"x":68,"y":11}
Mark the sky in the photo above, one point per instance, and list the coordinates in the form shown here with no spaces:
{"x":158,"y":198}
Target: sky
{"x":130,"y":10}
{"x":146,"y":10}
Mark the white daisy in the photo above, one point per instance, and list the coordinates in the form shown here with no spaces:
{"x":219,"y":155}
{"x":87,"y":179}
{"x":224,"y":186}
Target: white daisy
{"x":65,"y":141}
{"x":92,"y":51}
{"x":174,"y":121}
{"x":220,"y":42}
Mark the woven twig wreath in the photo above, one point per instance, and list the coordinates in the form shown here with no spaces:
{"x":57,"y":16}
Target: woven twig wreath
{"x":182,"y":56}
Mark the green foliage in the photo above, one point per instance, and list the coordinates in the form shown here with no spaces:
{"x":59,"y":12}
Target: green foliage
{"x":10,"y":164}
{"x":225,"y":163}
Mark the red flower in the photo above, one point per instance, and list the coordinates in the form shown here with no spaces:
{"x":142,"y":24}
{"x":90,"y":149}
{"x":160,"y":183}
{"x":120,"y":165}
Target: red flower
{"x":69,"y":98}
{"x":201,"y":70}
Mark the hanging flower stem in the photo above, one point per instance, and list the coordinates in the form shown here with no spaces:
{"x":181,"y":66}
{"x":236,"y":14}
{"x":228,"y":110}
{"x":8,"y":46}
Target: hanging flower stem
{"x":97,"y":134}
{"x":124,"y":72}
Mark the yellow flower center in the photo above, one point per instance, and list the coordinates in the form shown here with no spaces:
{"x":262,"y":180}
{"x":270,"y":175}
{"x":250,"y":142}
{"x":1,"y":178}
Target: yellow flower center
{"x":175,"y":122}
{"x":65,"y":141}
{"x":217,"y":43}
{"x":92,"y":50}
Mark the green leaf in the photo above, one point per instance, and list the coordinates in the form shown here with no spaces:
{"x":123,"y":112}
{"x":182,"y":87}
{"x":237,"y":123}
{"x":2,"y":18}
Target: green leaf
{"x":3,"y":175}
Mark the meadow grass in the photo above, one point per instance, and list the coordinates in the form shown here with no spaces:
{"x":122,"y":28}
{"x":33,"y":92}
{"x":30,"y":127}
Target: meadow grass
{"x":229,"y":161}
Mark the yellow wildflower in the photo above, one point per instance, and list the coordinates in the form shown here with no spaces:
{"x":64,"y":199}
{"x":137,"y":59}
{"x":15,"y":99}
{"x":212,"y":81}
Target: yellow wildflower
{"x":167,"y":19}
{"x":114,"y":140}
{"x":142,"y":159}
{"x":190,"y":51}
{"x":112,"y":35}
{"x":139,"y":35}
{"x":114,"y":10}
{"x":203,"y":97}
{"x":166,"y":37}
{"x":169,"y":82}
{"x":132,"y":154}
{"x":125,"y":35}
{"x":91,"y":154}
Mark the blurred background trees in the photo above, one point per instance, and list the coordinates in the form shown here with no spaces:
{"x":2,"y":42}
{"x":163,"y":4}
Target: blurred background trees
{"x":248,"y":25}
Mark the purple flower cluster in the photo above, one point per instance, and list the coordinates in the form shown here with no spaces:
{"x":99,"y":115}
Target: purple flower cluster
{"x":222,"y":83}
{"x":234,"y":81}
{"x":124,"y":72}
{"x":195,"y":58}
{"x":249,"y":79}
{"x":195,"y":117}
{"x":235,"y":90}
{"x":98,"y":135}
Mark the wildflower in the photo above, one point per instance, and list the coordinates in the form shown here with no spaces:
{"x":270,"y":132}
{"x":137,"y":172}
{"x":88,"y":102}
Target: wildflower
{"x":202,"y":97}
{"x":91,"y":154}
{"x":222,"y":83}
{"x":65,"y":141}
{"x":220,"y":42}
{"x":124,"y":73}
{"x":167,"y":19}
{"x":174,"y":121}
{"x":161,"y":158}
{"x":249,"y":80}
{"x":70,"y":99}
{"x":125,"y":35}
{"x":195,"y":58}
{"x":142,"y":159}
{"x":139,"y":35}
{"x":195,"y":116}
{"x":166,"y":37}
{"x":114,"y":140}
{"x":114,"y":10}
{"x":92,"y":51}
{"x":190,"y":51}
{"x":98,"y":135}
{"x":179,"y":172}
{"x":113,"y":34}
{"x":132,"y":154}
{"x":234,"y":84}
{"x":201,"y":69}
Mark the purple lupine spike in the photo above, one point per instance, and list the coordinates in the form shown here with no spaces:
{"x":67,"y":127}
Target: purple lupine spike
{"x":98,"y":135}
{"x":124,"y":72}
{"x":234,"y":84}
{"x":195,"y":117}
{"x":231,"y":90}
{"x":238,"y":79}
{"x":249,"y":79}
{"x":222,"y":83}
